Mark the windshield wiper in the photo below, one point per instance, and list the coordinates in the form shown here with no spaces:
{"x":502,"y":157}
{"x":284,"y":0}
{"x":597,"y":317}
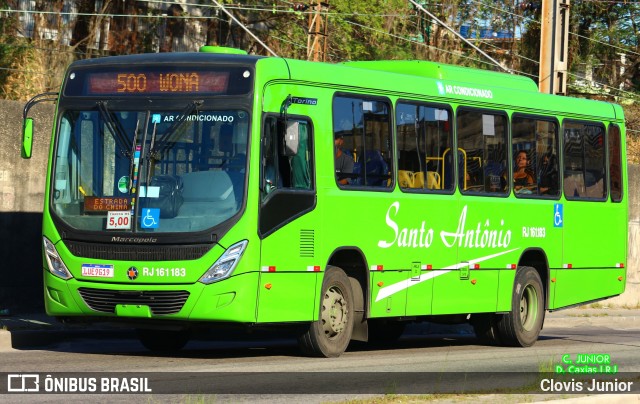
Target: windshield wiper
{"x":151,"y":158}
{"x":132,"y":160}
{"x":115,"y":127}
{"x":169,"y":138}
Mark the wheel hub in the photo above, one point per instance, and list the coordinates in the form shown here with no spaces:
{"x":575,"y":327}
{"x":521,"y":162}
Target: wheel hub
{"x":528,"y":307}
{"x":334,"y":312}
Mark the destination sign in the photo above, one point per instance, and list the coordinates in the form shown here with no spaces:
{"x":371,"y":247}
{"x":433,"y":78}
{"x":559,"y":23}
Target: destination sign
{"x":158,"y":81}
{"x":105,"y":204}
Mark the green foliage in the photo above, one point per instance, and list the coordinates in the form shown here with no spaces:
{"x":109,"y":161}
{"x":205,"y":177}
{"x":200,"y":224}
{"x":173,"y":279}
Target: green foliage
{"x":604,"y":31}
{"x":17,"y":58}
{"x":356,"y":30}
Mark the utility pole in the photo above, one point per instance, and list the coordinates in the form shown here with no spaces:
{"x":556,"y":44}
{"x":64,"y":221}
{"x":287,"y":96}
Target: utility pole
{"x":554,"y":44}
{"x":318,"y":32}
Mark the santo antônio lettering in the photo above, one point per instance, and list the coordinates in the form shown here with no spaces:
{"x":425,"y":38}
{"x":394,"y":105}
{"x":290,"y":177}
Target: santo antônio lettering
{"x":482,"y":235}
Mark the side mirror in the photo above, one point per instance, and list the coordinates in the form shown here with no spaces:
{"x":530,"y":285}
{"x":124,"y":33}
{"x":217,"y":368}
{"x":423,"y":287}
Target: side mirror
{"x":27,"y":138}
{"x":27,"y":123}
{"x":291,"y":139}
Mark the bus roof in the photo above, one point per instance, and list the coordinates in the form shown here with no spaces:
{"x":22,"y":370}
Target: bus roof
{"x":403,"y":78}
{"x":446,"y":83}
{"x":442,"y":71}
{"x":177,"y":58}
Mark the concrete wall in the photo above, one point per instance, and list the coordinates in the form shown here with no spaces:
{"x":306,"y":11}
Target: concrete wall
{"x":631,"y":296}
{"x":21,"y":201}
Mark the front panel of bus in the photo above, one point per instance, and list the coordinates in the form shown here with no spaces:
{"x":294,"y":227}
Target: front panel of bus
{"x":147,"y":190}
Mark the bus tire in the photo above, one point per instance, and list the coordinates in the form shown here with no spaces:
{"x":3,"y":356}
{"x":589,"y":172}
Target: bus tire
{"x":521,"y":327}
{"x":330,"y":335}
{"x":163,"y":340}
{"x":486,"y":328}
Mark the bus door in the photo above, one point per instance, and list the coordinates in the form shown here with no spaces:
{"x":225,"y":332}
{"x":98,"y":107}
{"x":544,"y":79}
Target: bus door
{"x":593,"y":222}
{"x":429,"y":206}
{"x":471,"y":285}
{"x":288,"y":222}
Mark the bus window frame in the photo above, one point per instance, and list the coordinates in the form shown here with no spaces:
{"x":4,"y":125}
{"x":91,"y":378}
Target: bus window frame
{"x":391,"y":129}
{"x":552,"y":119}
{"x":271,"y":205}
{"x":608,"y":162}
{"x":606,"y":168}
{"x":481,"y":110}
{"x":452,"y":122}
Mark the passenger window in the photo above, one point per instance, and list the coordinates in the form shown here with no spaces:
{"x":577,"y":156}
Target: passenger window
{"x":615,"y":164}
{"x":584,"y":161}
{"x":535,"y":157}
{"x":282,"y":168}
{"x":362,"y":142}
{"x":482,"y":152}
{"x":425,"y":147}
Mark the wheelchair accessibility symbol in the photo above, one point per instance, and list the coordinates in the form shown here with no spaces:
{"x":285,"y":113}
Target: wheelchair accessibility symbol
{"x":558,"y":217}
{"x":150,"y":218}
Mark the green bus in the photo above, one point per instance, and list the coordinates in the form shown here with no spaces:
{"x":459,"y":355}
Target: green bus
{"x":344,"y":201}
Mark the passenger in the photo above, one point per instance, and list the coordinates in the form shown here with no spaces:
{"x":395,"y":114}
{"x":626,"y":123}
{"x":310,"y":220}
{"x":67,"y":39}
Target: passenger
{"x":548,"y":175}
{"x":522,"y":176}
{"x":344,"y":162}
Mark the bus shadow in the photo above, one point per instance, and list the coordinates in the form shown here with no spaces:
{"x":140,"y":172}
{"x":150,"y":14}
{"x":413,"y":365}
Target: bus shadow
{"x":211,"y":345}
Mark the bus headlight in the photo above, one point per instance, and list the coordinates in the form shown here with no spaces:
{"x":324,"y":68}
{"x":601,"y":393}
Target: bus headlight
{"x":225,"y":265}
{"x":56,"y":266}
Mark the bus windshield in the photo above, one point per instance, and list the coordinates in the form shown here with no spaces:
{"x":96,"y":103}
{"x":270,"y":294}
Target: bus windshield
{"x":143,"y":171}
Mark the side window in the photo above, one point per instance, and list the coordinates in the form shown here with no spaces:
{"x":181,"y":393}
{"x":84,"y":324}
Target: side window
{"x":482,"y":152}
{"x":584,"y":161}
{"x":283,"y":167}
{"x":535,"y":157}
{"x":425,"y":147}
{"x":362,"y":139}
{"x":615,"y":164}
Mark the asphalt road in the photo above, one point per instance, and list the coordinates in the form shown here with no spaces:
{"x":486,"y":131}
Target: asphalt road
{"x":274,"y":365}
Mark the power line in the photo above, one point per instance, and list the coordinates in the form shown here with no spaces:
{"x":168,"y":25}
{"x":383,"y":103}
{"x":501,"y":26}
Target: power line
{"x":25,"y":71}
{"x":604,"y":43}
{"x":248,"y":8}
{"x":279,"y":10}
{"x":419,"y":43}
{"x":633,"y":95}
{"x":418,"y":6}
{"x":572,"y":33}
{"x":247,"y":30}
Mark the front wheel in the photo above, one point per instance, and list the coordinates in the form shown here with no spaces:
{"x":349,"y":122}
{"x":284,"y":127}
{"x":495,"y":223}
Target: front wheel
{"x":521,"y":327}
{"x":331,"y":334}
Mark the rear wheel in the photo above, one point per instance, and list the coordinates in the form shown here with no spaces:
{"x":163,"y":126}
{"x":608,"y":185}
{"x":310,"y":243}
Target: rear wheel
{"x":485,"y":327}
{"x":163,"y":340}
{"x":521,"y":327}
{"x":330,"y":335}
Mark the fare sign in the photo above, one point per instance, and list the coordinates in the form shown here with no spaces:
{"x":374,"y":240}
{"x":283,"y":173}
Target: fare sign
{"x":119,"y":220}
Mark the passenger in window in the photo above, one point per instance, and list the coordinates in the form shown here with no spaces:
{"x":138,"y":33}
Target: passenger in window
{"x":548,"y":175}
{"x":523,"y":181}
{"x":344,"y":162}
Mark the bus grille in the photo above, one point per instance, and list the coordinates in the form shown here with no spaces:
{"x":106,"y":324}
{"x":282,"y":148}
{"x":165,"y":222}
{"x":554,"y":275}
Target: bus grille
{"x":160,"y":302}
{"x":137,"y":252}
